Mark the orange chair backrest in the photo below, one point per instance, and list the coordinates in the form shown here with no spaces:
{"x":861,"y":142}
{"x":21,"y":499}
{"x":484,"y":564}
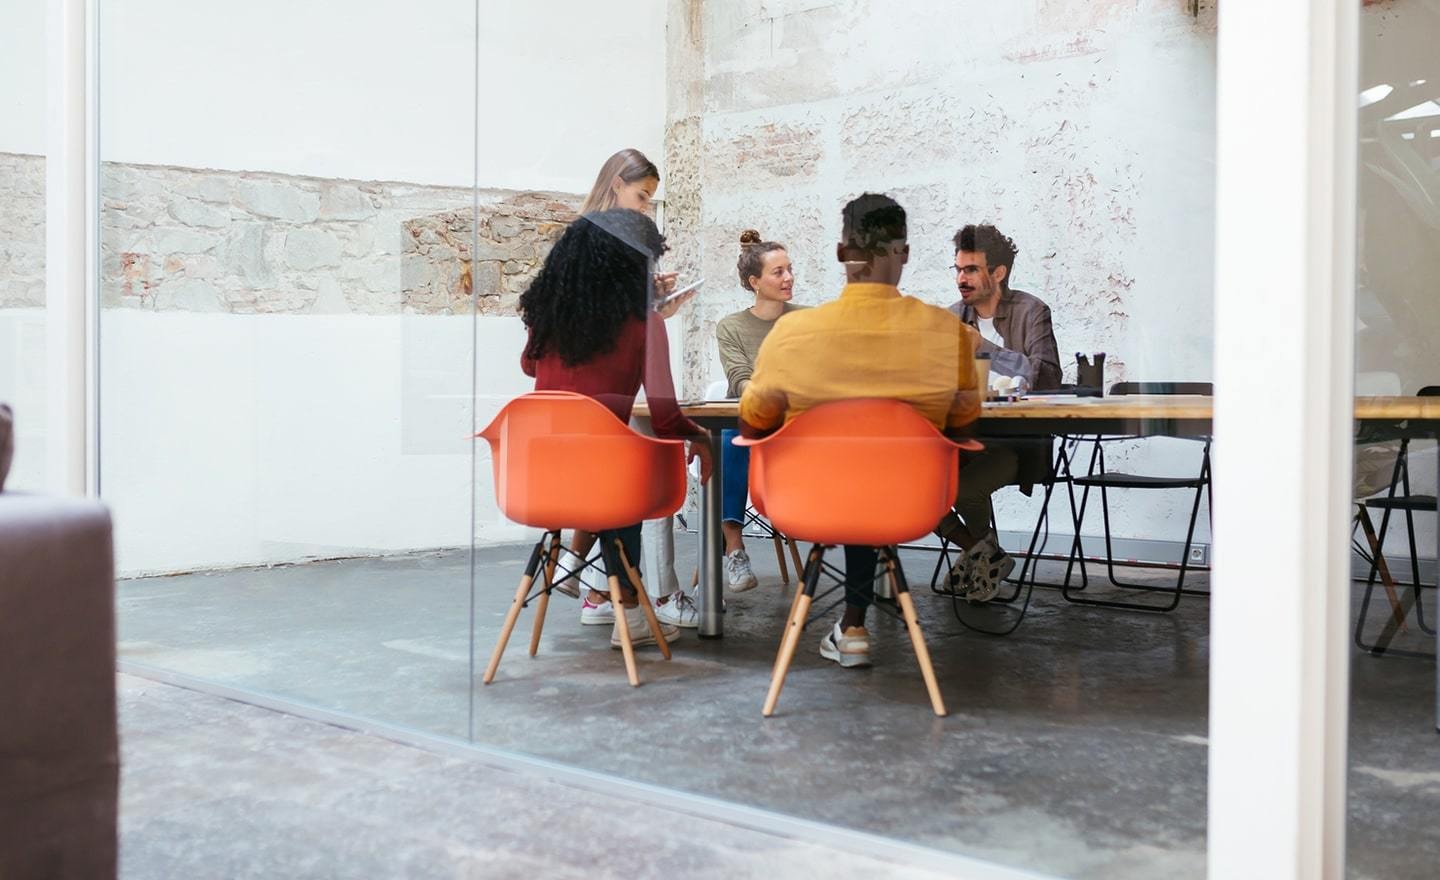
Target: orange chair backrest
{"x":868,"y":471}
{"x":562,"y":460}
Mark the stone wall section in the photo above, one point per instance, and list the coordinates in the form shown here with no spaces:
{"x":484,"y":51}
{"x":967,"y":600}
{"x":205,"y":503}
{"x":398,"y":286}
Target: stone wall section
{"x":439,"y":273}
{"x":189,"y":239}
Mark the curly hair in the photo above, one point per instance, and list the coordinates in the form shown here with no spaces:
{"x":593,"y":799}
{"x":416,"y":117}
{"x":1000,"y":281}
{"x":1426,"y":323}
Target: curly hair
{"x":752,"y":256}
{"x":871,"y":221}
{"x":597,"y":277}
{"x":998,"y":248}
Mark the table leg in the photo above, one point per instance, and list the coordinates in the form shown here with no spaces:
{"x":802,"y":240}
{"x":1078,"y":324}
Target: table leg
{"x":712,"y":548}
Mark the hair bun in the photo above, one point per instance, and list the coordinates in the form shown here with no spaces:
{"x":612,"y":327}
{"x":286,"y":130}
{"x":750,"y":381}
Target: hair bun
{"x":750,"y":236}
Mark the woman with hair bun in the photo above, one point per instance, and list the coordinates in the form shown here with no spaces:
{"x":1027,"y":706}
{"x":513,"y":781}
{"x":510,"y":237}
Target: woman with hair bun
{"x":764,"y":269}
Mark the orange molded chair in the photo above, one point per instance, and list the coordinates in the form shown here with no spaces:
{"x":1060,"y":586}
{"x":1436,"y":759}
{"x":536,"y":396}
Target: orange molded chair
{"x":869,"y":472}
{"x":562,"y":460}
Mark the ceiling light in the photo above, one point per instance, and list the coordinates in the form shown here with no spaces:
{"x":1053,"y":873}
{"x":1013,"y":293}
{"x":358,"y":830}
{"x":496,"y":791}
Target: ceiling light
{"x":1375,"y":94}
{"x":1419,"y":111}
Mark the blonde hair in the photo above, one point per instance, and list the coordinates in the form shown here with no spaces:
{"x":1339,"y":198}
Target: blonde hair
{"x":629,"y":165}
{"x":752,"y":256}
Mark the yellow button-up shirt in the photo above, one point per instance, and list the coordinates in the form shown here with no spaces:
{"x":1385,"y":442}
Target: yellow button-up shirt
{"x":871,"y":342}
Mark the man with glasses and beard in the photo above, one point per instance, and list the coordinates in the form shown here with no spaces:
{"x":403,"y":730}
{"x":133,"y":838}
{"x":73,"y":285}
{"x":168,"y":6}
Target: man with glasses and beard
{"x":1008,"y":321}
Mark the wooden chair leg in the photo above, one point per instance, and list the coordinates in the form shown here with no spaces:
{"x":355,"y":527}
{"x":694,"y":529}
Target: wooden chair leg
{"x":552,"y":559}
{"x":1367,"y":525}
{"x":912,"y":623}
{"x":514,"y":613}
{"x":644,"y":598}
{"x":787,"y":652}
{"x":795,"y":556}
{"x":780,"y":558}
{"x":623,"y":627}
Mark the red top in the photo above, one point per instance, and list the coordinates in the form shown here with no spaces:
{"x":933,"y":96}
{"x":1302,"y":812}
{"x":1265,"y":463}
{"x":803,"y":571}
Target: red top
{"x":615,"y":377}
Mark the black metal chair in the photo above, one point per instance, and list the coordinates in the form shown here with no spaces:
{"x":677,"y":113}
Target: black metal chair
{"x":1409,"y":504}
{"x":1098,"y":476}
{"x":1001,"y":610}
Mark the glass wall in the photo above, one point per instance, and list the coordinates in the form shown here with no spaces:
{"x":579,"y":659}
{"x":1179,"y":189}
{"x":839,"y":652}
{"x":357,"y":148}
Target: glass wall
{"x":22,"y":236}
{"x":1075,"y":738}
{"x":287,"y":347}
{"x":1393,"y":674}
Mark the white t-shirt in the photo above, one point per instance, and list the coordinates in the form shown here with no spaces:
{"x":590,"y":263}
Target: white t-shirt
{"x":987,"y":331}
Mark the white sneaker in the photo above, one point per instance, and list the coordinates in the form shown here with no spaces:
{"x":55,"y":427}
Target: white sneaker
{"x":988,"y":567}
{"x":850,"y":648}
{"x":738,"y":573}
{"x":596,"y":615}
{"x":640,"y":634}
{"x":568,"y":564}
{"x":679,"y":610}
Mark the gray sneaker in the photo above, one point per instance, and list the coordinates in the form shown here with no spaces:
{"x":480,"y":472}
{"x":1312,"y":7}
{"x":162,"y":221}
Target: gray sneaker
{"x":738,"y":573}
{"x":988,"y":566}
{"x":955,"y":581}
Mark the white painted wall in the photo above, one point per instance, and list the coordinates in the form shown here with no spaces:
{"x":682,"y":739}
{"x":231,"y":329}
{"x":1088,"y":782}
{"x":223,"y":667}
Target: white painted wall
{"x":361,"y":88}
{"x":22,"y":76}
{"x":245,"y":439}
{"x":383,"y":91}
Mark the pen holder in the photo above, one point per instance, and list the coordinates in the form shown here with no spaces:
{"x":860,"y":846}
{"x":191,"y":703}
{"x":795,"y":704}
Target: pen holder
{"x":1090,"y":374}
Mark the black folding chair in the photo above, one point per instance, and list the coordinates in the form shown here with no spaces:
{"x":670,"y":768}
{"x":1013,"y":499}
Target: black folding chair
{"x":1098,"y":476}
{"x":1409,"y":504}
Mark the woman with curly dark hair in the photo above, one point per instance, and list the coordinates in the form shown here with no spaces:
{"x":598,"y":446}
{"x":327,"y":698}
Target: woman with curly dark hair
{"x":593,"y":330}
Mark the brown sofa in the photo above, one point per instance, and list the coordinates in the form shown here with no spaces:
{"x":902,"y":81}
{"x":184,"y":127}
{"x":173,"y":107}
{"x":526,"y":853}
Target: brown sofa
{"x":59,"y":760}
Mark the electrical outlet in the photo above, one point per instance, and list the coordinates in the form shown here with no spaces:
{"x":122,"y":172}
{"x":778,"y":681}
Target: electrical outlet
{"x":1197,"y":556}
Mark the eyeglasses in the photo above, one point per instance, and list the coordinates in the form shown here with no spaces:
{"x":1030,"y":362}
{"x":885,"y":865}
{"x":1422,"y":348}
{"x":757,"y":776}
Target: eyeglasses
{"x":969,"y":271}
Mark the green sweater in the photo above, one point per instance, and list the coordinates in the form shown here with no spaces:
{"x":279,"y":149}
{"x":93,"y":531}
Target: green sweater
{"x":740,"y":336}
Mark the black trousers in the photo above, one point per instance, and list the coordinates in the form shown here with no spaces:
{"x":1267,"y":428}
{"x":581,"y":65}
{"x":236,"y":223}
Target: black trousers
{"x":860,"y":576}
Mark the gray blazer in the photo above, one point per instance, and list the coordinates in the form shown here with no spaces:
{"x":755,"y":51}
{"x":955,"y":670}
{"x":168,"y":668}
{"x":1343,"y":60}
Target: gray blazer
{"x":1023,"y":321}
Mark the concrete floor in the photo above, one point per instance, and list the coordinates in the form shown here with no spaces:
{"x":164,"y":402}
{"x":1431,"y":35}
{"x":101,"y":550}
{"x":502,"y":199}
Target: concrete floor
{"x":218,"y":789}
{"x":1075,"y":747}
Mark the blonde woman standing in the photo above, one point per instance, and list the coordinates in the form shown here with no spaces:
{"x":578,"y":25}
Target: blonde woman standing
{"x":628,"y":180}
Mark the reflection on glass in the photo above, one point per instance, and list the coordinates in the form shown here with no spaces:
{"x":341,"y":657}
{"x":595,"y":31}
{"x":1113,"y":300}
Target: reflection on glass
{"x":1397,"y":313}
{"x":286,"y":294}
{"x":1046,"y":191}
{"x":22,"y":239}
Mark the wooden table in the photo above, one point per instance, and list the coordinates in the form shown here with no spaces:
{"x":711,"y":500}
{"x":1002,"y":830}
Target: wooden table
{"x":1139,"y":414}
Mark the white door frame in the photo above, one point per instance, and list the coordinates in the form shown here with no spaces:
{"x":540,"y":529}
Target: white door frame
{"x":1284,"y":310}
{"x":71,"y":248}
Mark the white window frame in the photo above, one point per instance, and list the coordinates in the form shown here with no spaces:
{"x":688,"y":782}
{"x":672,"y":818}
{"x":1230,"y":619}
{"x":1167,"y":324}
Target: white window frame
{"x":1285,"y":310}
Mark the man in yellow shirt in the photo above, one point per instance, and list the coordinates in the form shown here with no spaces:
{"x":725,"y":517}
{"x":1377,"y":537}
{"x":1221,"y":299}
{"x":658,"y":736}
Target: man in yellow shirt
{"x":871,"y":342}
